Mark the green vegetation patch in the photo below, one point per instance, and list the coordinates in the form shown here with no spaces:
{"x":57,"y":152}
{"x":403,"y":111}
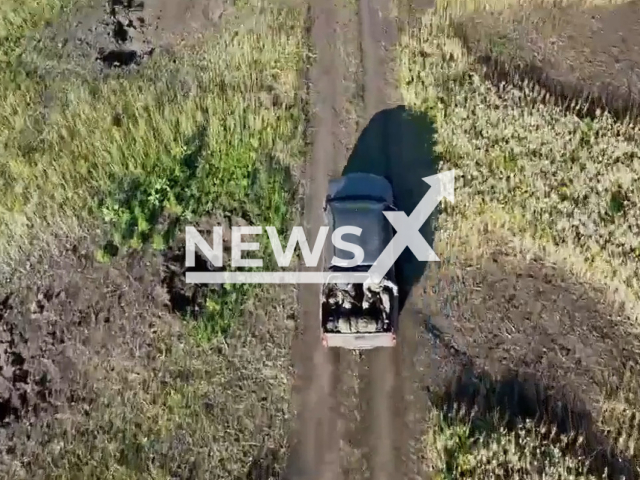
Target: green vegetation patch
{"x":19,"y":19}
{"x":460,"y":449}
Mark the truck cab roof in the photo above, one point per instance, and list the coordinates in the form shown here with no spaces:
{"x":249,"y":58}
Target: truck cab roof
{"x":360,"y":185}
{"x":360,"y":200}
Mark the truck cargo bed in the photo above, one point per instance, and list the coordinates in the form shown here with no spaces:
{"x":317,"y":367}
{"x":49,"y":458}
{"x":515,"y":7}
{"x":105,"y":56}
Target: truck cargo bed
{"x":359,"y":316}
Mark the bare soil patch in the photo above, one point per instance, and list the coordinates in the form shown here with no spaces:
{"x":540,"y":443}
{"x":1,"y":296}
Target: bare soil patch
{"x":575,"y":52}
{"x":123,"y":33}
{"x":189,"y":299}
{"x":533,"y":317}
{"x":78,"y":329}
{"x":57,"y":324}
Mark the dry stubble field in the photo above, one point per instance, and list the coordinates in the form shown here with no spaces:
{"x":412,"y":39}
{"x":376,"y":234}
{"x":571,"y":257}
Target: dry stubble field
{"x":113,"y":368}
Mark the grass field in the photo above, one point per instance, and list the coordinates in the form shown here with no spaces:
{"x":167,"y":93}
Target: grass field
{"x":574,"y":180}
{"x":540,"y":180}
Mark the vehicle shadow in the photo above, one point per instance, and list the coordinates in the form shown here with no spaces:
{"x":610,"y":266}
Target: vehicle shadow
{"x":397,"y":144}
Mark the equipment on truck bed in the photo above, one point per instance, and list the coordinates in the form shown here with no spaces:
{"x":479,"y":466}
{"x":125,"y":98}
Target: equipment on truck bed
{"x":359,"y":315}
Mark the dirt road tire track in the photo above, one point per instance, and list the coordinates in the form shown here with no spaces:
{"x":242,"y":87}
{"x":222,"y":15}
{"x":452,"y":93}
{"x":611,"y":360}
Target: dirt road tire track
{"x":316,"y":451}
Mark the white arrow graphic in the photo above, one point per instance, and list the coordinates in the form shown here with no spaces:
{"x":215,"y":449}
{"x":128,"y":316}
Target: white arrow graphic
{"x":408,"y":228}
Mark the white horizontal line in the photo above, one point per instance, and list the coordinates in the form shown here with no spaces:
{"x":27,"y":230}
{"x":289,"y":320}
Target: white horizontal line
{"x":275,"y":277}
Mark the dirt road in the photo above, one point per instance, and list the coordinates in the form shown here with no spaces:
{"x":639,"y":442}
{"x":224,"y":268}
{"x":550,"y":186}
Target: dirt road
{"x":354,"y":411}
{"x":316,"y":451}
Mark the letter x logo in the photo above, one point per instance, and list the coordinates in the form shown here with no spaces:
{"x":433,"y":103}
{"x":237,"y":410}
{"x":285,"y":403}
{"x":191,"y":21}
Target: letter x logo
{"x":408,"y":228}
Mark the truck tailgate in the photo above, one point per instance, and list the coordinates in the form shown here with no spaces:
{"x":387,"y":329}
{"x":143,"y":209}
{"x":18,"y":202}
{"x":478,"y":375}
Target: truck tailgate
{"x":359,"y":341}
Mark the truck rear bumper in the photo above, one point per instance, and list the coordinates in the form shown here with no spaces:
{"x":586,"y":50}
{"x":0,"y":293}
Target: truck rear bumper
{"x":358,"y":341}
